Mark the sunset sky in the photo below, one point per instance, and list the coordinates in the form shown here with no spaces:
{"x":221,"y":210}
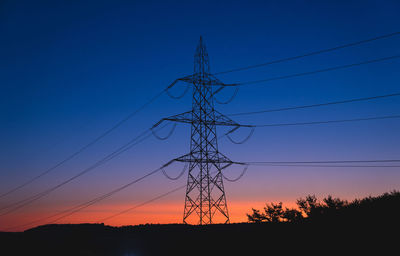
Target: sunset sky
{"x":71,"y":71}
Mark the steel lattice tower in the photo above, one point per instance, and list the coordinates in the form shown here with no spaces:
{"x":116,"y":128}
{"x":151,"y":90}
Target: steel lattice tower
{"x":205,"y":192}
{"x":205,"y":200}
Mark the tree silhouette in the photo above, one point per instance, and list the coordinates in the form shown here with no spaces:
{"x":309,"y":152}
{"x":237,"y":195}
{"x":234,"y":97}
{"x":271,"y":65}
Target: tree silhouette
{"x":292,"y":215}
{"x":275,"y":213}
{"x":311,"y":209}
{"x":256,"y":216}
{"x":309,"y":206}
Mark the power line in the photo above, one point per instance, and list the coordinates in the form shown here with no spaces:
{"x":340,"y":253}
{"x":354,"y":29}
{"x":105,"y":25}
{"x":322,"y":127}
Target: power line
{"x":82,"y":206}
{"x":309,"y":54}
{"x":100,"y":198}
{"x":85,"y":146}
{"x":317,"y":71}
{"x":324,"y":162}
{"x":333,"y":166}
{"x":141,"y":137}
{"x":316,"y":105}
{"x":308,"y":123}
{"x":329,"y":121}
{"x":246,"y":166}
{"x":178,"y":176}
{"x":142,"y":204}
{"x":105,"y":159}
{"x":321,"y":164}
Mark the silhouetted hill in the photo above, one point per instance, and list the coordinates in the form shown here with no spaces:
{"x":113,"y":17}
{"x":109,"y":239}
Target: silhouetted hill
{"x":372,"y":225}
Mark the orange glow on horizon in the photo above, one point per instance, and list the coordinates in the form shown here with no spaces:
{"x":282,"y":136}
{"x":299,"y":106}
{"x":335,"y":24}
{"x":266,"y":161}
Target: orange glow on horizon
{"x":156,"y":213}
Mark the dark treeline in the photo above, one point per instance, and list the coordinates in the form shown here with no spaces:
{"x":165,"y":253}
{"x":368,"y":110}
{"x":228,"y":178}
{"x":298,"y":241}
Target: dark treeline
{"x":330,"y":226}
{"x":310,"y":209}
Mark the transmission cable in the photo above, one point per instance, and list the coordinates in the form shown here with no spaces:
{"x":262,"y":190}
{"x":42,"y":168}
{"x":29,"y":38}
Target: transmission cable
{"x":178,"y":176}
{"x":239,"y":177}
{"x":324,"y":162}
{"x":317,"y":105}
{"x":228,"y":100}
{"x":176,"y":96}
{"x":85,"y":146}
{"x":141,"y":137}
{"x":143,"y":204}
{"x":317,"y":71}
{"x":77,"y":208}
{"x":314,"y":164}
{"x":242,"y":141}
{"x":328,"y":122}
{"x":306,"y":123}
{"x":105,"y":159}
{"x":165,"y":137}
{"x":100,"y":198}
{"x":310,"y":54}
{"x":333,"y":166}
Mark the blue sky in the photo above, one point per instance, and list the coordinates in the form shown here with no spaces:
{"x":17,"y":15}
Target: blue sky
{"x":69,"y":71}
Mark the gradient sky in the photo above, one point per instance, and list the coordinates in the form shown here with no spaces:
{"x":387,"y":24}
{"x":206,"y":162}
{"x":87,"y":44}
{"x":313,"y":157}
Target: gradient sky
{"x":70,"y":71}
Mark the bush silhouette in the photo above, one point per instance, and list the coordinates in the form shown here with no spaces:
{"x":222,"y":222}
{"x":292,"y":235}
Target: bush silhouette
{"x":275,"y":213}
{"x":334,"y":209}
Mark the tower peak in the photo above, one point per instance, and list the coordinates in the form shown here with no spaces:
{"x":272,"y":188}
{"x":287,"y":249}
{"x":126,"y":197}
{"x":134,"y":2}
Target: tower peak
{"x":201,"y":59}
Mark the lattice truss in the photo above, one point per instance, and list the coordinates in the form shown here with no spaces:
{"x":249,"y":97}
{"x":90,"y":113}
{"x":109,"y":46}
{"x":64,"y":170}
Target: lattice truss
{"x":205,"y":201}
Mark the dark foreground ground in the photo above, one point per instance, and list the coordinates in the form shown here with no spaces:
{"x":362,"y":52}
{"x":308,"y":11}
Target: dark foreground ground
{"x":381,"y":238}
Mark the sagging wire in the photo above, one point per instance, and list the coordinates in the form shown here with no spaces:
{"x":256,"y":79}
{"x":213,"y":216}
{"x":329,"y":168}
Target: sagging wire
{"x":173,"y":96}
{"x":239,"y":177}
{"x":230,"y":99}
{"x":177,"y":177}
{"x":166,"y":137}
{"x":245,"y":139}
{"x":77,"y":208}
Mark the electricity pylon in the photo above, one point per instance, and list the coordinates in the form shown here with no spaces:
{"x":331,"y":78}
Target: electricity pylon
{"x":205,"y":201}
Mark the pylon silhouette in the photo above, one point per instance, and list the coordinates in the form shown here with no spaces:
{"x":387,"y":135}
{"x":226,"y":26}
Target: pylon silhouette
{"x":205,"y":200}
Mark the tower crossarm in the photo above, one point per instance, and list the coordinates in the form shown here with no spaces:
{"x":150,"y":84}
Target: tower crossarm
{"x":187,"y":117}
{"x":218,"y":158}
{"x":205,"y":78}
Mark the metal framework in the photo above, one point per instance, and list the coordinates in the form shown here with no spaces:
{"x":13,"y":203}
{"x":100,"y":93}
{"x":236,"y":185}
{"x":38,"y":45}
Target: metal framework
{"x":205,"y":200}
